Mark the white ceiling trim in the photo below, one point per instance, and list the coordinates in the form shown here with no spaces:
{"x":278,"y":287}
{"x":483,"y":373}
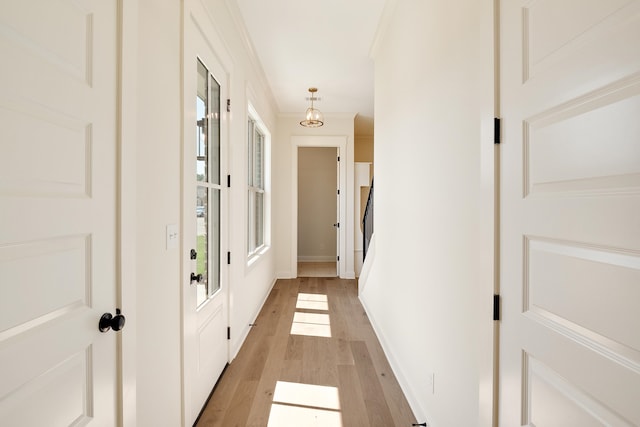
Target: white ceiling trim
{"x":383,"y":25}
{"x":238,"y":22}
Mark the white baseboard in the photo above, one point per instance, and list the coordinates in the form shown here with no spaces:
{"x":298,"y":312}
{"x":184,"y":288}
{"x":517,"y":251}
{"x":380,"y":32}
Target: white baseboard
{"x":284,"y":275}
{"x":237,"y":345}
{"x":317,"y":258}
{"x":418,"y":409}
{"x":366,"y":266}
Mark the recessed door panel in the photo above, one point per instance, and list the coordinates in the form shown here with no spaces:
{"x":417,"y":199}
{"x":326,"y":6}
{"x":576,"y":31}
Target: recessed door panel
{"x":58,"y":166}
{"x":570,"y":236}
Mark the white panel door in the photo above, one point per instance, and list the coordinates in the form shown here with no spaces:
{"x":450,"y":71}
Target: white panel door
{"x":205,"y":290}
{"x":58,"y":212}
{"x":570,"y":263}
{"x":337,"y":230}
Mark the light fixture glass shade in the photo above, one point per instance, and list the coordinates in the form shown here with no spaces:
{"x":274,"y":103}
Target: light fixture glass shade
{"x":313,"y":116}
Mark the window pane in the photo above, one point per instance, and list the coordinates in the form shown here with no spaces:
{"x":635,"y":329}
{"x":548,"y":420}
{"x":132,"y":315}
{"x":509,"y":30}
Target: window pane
{"x":250,"y":232}
{"x":259,"y":219}
{"x":202,"y":205}
{"x":202,"y":105}
{"x":214,"y":124}
{"x":258,"y":162}
{"x":214,"y":282}
{"x":256,"y":185}
{"x":250,"y":153}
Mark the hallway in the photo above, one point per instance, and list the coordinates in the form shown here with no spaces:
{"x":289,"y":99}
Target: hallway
{"x":311,"y":359}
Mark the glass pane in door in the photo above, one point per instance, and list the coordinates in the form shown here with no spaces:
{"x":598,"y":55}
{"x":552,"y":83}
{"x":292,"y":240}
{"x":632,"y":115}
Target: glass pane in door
{"x":202,"y":125}
{"x":208,"y":182}
{"x":202,"y":244}
{"x":202,"y":191}
{"x":214,"y":124}
{"x":214,"y":283}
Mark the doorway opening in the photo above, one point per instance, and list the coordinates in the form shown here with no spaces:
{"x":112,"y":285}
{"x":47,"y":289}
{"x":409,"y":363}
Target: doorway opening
{"x":318,"y":212}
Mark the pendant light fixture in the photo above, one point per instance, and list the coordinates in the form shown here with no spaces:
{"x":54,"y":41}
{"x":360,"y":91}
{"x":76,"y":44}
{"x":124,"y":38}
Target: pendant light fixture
{"x":313,"y":116}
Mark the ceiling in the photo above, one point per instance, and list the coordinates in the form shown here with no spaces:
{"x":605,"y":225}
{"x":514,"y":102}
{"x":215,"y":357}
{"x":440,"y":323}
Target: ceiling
{"x":323,"y":44}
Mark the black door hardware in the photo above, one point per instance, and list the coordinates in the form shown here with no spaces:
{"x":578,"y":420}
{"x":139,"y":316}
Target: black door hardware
{"x":109,"y":321}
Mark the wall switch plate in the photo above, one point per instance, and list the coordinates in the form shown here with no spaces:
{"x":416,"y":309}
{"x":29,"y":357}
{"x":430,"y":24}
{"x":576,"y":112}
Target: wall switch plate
{"x":172,"y":236}
{"x":431,"y":383}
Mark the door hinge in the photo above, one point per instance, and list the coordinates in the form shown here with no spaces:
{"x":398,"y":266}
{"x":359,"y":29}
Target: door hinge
{"x":228,"y":257}
{"x":496,"y":131}
{"x":338,"y":192}
{"x":228,"y":105}
{"x":228,"y":332}
{"x":228,"y":181}
{"x":496,"y":307}
{"x":338,"y":158}
{"x":338,"y":257}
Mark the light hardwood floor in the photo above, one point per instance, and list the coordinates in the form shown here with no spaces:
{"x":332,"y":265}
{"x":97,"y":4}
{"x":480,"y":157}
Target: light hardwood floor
{"x":312,"y":359}
{"x":317,"y":269}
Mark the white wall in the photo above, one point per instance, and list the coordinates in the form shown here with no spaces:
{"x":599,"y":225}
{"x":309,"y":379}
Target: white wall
{"x":158,"y":191}
{"x":317,"y":204}
{"x":427,"y":292}
{"x":159,"y":281}
{"x":288,"y":126}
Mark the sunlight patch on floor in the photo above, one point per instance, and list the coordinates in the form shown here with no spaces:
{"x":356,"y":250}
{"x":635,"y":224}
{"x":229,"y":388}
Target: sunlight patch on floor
{"x":298,"y":394}
{"x":296,"y":405}
{"x":311,"y":324}
{"x":312,"y":302}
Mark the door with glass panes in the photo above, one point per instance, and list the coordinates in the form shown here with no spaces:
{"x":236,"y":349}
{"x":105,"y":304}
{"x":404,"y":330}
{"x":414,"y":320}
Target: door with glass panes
{"x":204,"y":291}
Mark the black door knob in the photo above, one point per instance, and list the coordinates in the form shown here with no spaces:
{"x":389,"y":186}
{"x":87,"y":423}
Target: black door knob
{"x":196,"y":277}
{"x":109,"y":321}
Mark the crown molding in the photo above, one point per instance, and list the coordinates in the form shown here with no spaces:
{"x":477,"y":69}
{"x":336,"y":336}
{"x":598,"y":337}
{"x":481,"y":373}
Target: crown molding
{"x":238,"y":22}
{"x":383,"y":25}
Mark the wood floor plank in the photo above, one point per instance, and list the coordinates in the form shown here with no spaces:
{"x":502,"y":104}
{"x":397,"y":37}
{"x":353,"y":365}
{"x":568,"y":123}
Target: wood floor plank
{"x":238,"y":411}
{"x":271,"y":372}
{"x":292,"y":371}
{"x":377,"y":408}
{"x":319,"y":363}
{"x":398,"y":405}
{"x":258,"y":357}
{"x":350,"y":359}
{"x":354,"y":410}
{"x":294,"y":347}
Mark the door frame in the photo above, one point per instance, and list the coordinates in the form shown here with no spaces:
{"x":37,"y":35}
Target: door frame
{"x":345,"y":270}
{"x":196,"y":18}
{"x":126,"y":246}
{"x":326,"y":198}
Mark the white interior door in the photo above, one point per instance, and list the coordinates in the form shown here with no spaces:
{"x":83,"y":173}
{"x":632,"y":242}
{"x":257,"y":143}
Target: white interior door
{"x":58,"y":212}
{"x":338,"y":212}
{"x":570,"y":263}
{"x":204,"y":240}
